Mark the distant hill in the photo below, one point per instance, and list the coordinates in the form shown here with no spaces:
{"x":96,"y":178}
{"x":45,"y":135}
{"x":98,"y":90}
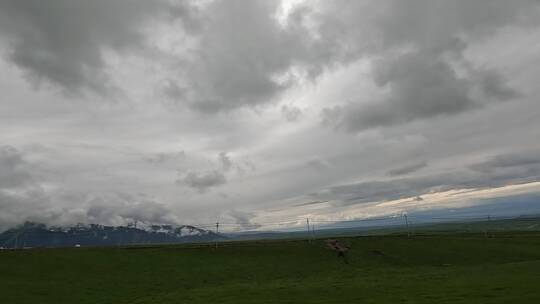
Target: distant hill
{"x":39,"y":235}
{"x":36,"y":235}
{"x":444,"y":225}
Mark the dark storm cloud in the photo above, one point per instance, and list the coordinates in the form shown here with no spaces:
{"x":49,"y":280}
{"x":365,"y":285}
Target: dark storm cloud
{"x":124,"y":208}
{"x":310,"y":203}
{"x":225,"y":161}
{"x":243,"y":219}
{"x":528,"y":161}
{"x":63,"y":41}
{"x":162,"y":157}
{"x":202,"y":181}
{"x":368,"y":64}
{"x":421,"y":85}
{"x":27,"y":204}
{"x":291,"y":113}
{"x":241,"y":52}
{"x":35,"y":204}
{"x":15,"y":171}
{"x":407,"y":169}
{"x":21,"y":197}
{"x":495,"y":172}
{"x":318,"y":163}
{"x":421,"y":64}
{"x":385,"y":190}
{"x":222,"y":167}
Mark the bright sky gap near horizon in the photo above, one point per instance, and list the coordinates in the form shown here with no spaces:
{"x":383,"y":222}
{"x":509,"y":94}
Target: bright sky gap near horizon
{"x":253,"y":111}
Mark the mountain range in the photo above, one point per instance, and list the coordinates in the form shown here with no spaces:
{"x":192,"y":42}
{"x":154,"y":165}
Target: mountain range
{"x":32,"y":235}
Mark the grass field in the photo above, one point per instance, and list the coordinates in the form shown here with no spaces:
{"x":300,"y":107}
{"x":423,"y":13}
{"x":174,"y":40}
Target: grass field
{"x":382,"y":269}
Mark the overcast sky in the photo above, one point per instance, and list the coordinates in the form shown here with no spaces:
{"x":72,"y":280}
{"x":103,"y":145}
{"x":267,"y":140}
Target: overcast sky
{"x":252,"y":111}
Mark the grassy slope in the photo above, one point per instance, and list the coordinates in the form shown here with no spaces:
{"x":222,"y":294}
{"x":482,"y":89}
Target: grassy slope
{"x":427,"y":269}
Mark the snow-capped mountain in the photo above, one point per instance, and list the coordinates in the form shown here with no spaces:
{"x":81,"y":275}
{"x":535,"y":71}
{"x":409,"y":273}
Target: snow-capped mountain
{"x":39,"y":235}
{"x":178,"y":231}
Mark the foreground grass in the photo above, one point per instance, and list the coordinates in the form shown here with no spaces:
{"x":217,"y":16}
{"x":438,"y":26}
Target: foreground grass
{"x":426,"y":269}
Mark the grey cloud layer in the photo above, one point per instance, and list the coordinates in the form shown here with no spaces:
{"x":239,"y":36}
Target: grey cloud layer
{"x":64,"y":41}
{"x":241,"y":50}
{"x":411,"y":83}
{"x":498,"y":171}
{"x":421,"y":86}
{"x":121,"y":209}
{"x":407,"y":169}
{"x":202,"y":181}
{"x":23,"y":197}
{"x":14,"y":170}
{"x":526,"y":158}
{"x":422,"y":66}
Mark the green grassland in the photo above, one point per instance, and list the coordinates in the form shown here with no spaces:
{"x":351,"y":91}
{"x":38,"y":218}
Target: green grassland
{"x":466,"y":268}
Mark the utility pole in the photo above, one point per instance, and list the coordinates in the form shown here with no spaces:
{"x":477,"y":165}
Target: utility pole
{"x":487,"y":226}
{"x":407,"y":224}
{"x":217,"y":232}
{"x":308,"y":230}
